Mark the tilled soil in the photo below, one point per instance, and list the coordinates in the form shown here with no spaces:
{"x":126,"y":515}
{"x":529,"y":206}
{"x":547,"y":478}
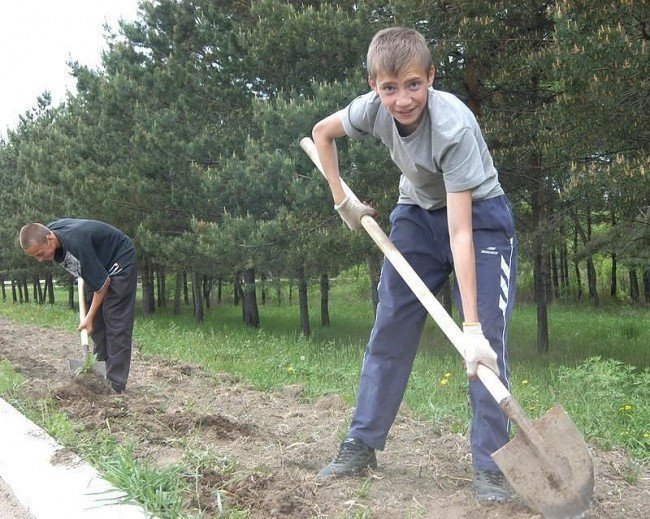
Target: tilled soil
{"x":270,"y":445}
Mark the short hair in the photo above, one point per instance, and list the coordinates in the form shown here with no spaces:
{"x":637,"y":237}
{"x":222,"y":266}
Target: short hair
{"x":33,"y":234}
{"x":394,"y":48}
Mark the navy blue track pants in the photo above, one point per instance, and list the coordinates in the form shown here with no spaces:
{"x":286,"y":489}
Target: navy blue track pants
{"x":422,"y":236}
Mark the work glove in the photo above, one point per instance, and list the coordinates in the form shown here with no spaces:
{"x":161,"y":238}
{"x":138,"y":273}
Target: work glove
{"x":351,"y":210}
{"x":477,"y":349}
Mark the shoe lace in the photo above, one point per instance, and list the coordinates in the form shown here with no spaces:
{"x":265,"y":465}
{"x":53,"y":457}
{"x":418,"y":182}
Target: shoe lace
{"x":348,"y":451}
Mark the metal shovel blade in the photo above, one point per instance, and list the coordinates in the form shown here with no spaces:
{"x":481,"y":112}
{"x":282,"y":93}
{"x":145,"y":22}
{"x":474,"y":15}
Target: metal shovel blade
{"x":550,"y":466}
{"x":77,"y":365}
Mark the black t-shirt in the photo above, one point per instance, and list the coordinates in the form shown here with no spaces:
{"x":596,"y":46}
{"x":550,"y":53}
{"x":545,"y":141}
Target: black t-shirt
{"x":92,"y":250}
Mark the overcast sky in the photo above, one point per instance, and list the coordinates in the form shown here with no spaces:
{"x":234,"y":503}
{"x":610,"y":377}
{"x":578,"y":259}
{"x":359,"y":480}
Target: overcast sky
{"x":38,"y":37}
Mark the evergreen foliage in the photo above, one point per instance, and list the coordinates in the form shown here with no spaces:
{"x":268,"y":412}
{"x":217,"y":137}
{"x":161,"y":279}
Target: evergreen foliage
{"x":187,"y":139}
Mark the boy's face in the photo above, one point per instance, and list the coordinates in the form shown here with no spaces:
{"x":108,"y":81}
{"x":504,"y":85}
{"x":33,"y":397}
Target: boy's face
{"x":404,"y":95}
{"x":44,"y":251}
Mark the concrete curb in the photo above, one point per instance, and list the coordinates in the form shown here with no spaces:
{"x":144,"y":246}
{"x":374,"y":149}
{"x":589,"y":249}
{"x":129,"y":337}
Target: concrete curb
{"x":49,"y":490}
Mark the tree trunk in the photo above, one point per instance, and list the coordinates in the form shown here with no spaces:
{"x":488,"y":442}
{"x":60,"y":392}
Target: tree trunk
{"x":178,"y":288}
{"x":237,"y":288}
{"x":304,"y":306}
{"x":158,"y":288}
{"x":25,"y":289}
{"x":592,"y":281}
{"x":196,"y":297}
{"x":278,"y":288}
{"x":613,"y":285}
{"x":539,"y":269}
{"x":565,"y":268}
{"x":539,"y":277}
{"x":249,"y":301}
{"x":219,"y":290}
{"x":591,"y":269}
{"x":555,"y":275}
{"x":646,"y":286}
{"x":147,"y":291}
{"x":373,"y":260}
{"x":324,"y":299}
{"x":576,"y":263}
{"x":14,"y":295}
{"x":539,"y":207}
{"x":613,"y":291}
{"x":634,"y":285}
{"x":71,"y":291}
{"x":162,"y":287}
{"x":186,"y":292}
{"x":151,"y":292}
{"x":207,"y":290}
{"x":38,"y":291}
{"x":4,"y":291}
{"x":263,"y":287}
{"x":49,"y":283}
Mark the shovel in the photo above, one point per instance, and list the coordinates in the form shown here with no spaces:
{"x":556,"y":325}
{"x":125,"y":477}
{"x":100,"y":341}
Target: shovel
{"x":87,"y":361}
{"x":548,"y":463}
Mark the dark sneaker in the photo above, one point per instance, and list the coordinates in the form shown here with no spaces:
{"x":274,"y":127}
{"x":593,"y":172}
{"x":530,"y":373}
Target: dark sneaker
{"x":354,"y":458}
{"x":490,"y":486}
{"x":116,"y":388}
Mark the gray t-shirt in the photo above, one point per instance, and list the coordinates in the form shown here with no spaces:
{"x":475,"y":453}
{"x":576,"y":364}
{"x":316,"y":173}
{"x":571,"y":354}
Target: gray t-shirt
{"x":446,"y":153}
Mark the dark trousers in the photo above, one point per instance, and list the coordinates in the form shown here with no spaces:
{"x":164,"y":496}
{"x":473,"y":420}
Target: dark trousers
{"x":113,"y":327}
{"x":423,"y":238}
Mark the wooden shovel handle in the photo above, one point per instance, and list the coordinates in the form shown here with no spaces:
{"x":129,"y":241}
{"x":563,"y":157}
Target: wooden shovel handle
{"x":82,"y":314}
{"x":490,"y":380}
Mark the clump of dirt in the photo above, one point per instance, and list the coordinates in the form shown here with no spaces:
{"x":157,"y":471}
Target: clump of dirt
{"x":268,"y":446}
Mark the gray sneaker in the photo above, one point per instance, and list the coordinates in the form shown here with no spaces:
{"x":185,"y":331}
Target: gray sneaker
{"x":490,"y":486}
{"x":354,"y":458}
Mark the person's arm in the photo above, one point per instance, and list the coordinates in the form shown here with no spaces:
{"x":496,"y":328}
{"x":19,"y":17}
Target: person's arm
{"x":477,"y":349}
{"x":459,"y":220}
{"x":98,"y":299}
{"x":324,"y":136}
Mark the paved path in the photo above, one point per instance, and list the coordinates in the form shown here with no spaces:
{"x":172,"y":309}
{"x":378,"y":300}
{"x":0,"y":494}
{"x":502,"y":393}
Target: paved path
{"x":10,"y":508}
{"x":49,"y":481}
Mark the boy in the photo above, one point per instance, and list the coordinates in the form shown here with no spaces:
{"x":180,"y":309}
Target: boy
{"x":451,"y":214}
{"x":105,"y":258}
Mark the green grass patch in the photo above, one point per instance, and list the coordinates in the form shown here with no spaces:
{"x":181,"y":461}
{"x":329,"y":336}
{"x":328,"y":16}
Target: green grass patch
{"x":597,"y":363}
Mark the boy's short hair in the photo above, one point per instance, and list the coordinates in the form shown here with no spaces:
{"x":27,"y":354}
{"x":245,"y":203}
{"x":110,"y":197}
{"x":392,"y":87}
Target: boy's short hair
{"x":395,"y":47}
{"x":33,"y":234}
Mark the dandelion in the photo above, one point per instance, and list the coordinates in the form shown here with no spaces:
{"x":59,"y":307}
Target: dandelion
{"x":448,"y":374}
{"x":290,"y":369}
{"x":524,"y":382}
{"x":625,"y":408}
{"x":444,"y":382}
{"x":646,"y":436}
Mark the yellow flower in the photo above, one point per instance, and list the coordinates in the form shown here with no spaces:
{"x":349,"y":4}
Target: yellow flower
{"x":524,"y":382}
{"x":290,"y":369}
{"x":627,"y":407}
{"x":443,"y":382}
{"x":646,"y":436}
{"x":447,"y":375}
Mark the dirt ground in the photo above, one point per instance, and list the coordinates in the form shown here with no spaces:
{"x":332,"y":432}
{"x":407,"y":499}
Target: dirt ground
{"x":270,"y":445}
